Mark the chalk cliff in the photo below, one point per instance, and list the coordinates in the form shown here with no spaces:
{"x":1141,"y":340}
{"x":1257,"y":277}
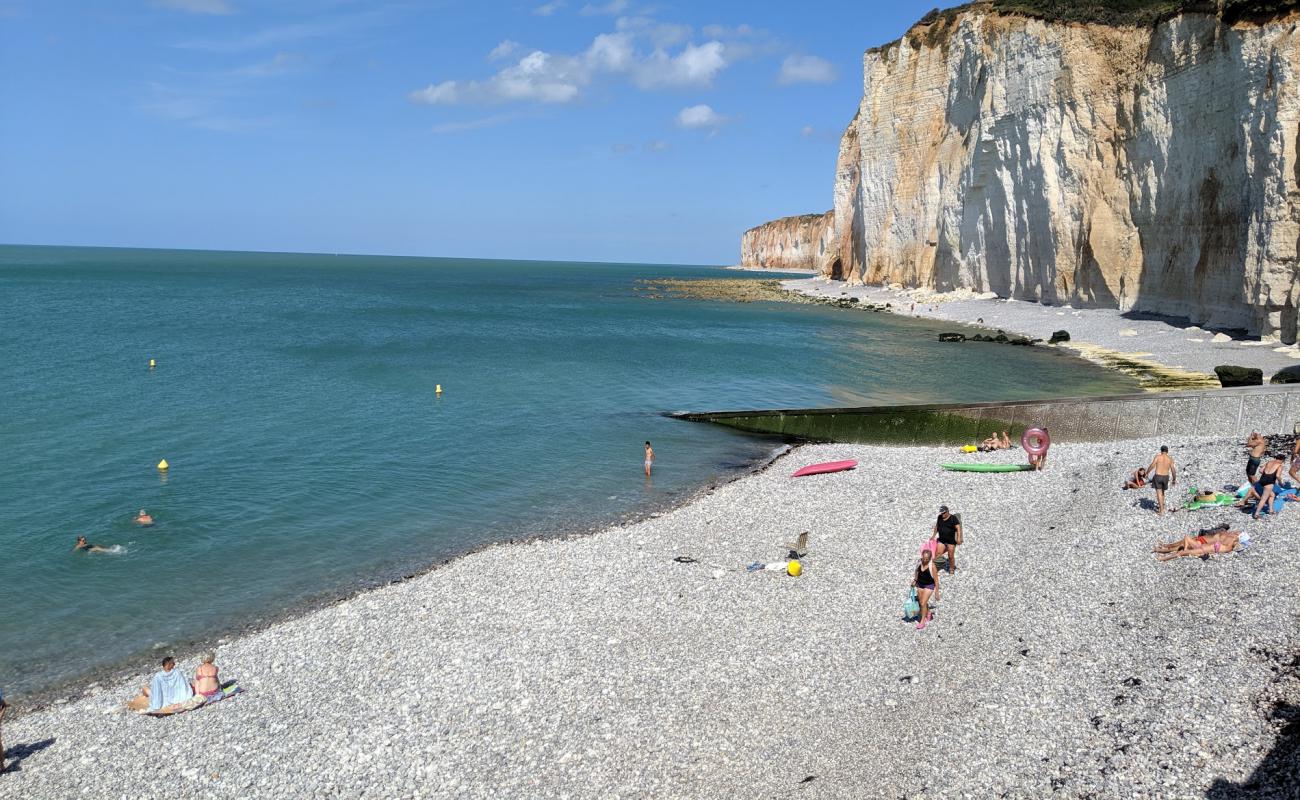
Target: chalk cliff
{"x":788,"y":243}
{"x":1151,"y":167}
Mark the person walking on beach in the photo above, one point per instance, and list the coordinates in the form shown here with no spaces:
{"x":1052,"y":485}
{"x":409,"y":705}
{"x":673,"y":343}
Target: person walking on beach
{"x":649,"y":457}
{"x":947,"y":529}
{"x":926,"y":582}
{"x":1257,"y":444}
{"x":1163,"y":475}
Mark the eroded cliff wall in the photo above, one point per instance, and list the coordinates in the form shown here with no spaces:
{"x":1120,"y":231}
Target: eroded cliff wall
{"x":788,"y":243}
{"x":1149,"y":168}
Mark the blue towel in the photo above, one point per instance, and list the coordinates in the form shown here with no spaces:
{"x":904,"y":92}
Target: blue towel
{"x":167,"y":688}
{"x":1279,"y":498}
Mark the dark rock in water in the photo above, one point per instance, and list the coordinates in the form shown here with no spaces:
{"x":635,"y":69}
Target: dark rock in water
{"x":1286,"y":375}
{"x":1023,"y":342}
{"x":854,"y":299}
{"x":1059,"y":336}
{"x":1001,"y":338}
{"x":951,"y":337}
{"x":1239,"y":376}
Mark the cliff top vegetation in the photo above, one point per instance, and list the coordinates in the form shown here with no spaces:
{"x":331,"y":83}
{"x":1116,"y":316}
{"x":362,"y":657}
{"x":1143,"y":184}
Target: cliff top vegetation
{"x":1138,"y":12}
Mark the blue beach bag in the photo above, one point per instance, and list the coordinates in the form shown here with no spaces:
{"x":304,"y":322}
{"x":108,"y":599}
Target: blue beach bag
{"x":911,"y":606}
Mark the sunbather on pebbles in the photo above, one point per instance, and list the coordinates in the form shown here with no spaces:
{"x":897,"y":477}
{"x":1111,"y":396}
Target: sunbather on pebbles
{"x":1211,"y":541}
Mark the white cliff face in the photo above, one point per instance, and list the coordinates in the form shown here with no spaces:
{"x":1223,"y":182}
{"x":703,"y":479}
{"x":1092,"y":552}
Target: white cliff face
{"x":1149,"y":169}
{"x":788,"y":243}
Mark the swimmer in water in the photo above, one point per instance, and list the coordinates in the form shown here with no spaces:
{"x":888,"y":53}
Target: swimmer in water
{"x":143,"y":519}
{"x":89,"y":548}
{"x":649,"y":458}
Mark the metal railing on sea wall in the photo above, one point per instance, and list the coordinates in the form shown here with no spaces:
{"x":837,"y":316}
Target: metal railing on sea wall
{"x":1208,"y":412}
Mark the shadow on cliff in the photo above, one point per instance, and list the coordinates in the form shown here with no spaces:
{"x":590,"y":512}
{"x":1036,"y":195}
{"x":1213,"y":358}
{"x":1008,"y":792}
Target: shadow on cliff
{"x":1278,"y":775}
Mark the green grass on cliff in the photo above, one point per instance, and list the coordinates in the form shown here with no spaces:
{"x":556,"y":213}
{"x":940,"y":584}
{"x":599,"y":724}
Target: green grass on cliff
{"x":1121,"y":12}
{"x":1140,"y":12}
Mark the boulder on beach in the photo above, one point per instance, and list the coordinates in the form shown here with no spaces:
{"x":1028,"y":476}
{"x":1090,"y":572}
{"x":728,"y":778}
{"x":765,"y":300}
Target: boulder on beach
{"x":1286,"y":375}
{"x":1059,"y":336}
{"x":951,"y":337}
{"x":1239,"y":376}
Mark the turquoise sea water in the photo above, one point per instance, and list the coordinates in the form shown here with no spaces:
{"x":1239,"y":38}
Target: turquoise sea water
{"x":294,"y":399}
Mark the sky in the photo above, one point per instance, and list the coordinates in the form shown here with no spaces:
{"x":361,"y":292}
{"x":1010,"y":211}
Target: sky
{"x":614,"y":130}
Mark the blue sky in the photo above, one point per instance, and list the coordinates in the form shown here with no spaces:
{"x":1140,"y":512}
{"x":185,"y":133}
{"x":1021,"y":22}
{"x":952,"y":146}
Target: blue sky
{"x":615,"y":130}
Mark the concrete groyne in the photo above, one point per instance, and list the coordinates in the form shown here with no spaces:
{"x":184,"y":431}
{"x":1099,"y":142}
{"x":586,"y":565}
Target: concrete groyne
{"x":1210,"y":412}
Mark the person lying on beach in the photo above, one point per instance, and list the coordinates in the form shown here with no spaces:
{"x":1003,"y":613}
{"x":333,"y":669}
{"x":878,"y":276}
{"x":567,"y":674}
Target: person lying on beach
{"x":1257,"y":444}
{"x":166,"y":688}
{"x":1204,"y":544}
{"x":1137,"y":480}
{"x":1163,"y":476}
{"x":1268,"y":478}
{"x":82,"y":544}
{"x":143,"y":519}
{"x":206,"y":682}
{"x":926,"y":581}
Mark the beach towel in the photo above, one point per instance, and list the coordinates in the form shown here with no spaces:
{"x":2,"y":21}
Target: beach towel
{"x":1279,"y":498}
{"x":1220,"y":499}
{"x":168,"y":688}
{"x":227,"y":691}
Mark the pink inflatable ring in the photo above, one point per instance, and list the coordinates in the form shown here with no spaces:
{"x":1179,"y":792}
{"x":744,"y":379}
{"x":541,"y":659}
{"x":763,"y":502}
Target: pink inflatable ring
{"x":1035,"y":441}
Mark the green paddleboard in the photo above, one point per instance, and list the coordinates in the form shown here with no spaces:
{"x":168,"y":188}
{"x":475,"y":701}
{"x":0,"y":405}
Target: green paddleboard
{"x":987,"y":467}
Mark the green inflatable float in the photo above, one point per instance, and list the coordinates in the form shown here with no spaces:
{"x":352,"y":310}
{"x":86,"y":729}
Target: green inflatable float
{"x":987,"y":467}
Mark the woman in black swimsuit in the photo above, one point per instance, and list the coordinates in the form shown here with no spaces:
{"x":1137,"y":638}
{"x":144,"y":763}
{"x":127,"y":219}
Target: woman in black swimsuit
{"x":1267,"y":480}
{"x":926,"y":581}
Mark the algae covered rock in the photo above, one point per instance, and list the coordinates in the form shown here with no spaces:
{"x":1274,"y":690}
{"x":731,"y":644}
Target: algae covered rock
{"x":1239,"y":376}
{"x":1287,"y":375}
{"x":952,"y":337}
{"x":1059,"y":336}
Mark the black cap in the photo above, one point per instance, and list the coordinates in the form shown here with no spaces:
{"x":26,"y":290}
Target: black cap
{"x":942,"y":509}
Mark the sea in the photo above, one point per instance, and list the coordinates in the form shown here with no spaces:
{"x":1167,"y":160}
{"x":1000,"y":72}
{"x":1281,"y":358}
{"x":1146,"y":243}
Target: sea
{"x":310,"y":455}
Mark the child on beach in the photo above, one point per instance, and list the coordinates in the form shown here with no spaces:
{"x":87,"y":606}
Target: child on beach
{"x":1138,"y":480}
{"x":926,"y":582}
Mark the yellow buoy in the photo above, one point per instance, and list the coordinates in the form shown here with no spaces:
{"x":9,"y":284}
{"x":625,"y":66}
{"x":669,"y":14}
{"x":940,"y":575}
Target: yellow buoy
{"x":794,"y":568}
{"x":152,"y":363}
{"x":437,"y":388}
{"x":163,"y":465}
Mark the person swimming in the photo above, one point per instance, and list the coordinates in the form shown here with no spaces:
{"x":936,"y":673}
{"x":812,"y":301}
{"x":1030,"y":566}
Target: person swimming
{"x":143,"y":519}
{"x":82,"y":544}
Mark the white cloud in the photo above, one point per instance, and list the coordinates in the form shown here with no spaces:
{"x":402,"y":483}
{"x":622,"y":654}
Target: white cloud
{"x":700,"y":117}
{"x":695,"y":66}
{"x":807,"y":131}
{"x":472,"y":124}
{"x":544,"y":77}
{"x":805,"y":69}
{"x":660,"y":34}
{"x":506,"y":49}
{"x":612,"y":7}
{"x":656,"y":146}
{"x":198,"y":6}
{"x":547,"y":9}
{"x":280,"y":64}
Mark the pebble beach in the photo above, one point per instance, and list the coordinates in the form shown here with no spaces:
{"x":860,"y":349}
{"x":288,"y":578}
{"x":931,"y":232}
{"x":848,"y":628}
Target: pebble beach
{"x":645,"y":661}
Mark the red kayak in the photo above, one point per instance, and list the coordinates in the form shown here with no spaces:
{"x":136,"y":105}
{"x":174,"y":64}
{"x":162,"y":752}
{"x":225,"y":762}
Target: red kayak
{"x":829,"y":466}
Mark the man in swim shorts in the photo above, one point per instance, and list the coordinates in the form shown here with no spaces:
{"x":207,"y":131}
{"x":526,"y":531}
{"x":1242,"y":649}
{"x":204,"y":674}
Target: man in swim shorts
{"x":1257,"y":444}
{"x":947,"y":529}
{"x":1163,"y":475}
{"x":649,"y":458}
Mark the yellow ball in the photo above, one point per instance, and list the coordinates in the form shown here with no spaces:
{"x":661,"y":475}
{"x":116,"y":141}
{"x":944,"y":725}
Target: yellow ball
{"x":793,"y":568}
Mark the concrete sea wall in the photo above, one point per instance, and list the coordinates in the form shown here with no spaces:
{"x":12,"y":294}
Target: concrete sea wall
{"x":1211,"y":412}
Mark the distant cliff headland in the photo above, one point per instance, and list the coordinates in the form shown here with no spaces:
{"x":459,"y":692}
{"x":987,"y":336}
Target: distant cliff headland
{"x":1141,"y":155}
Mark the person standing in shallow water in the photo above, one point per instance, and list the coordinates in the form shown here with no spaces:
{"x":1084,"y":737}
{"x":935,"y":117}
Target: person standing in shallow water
{"x":947,"y":529}
{"x":1163,"y":475}
{"x":649,"y":457}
